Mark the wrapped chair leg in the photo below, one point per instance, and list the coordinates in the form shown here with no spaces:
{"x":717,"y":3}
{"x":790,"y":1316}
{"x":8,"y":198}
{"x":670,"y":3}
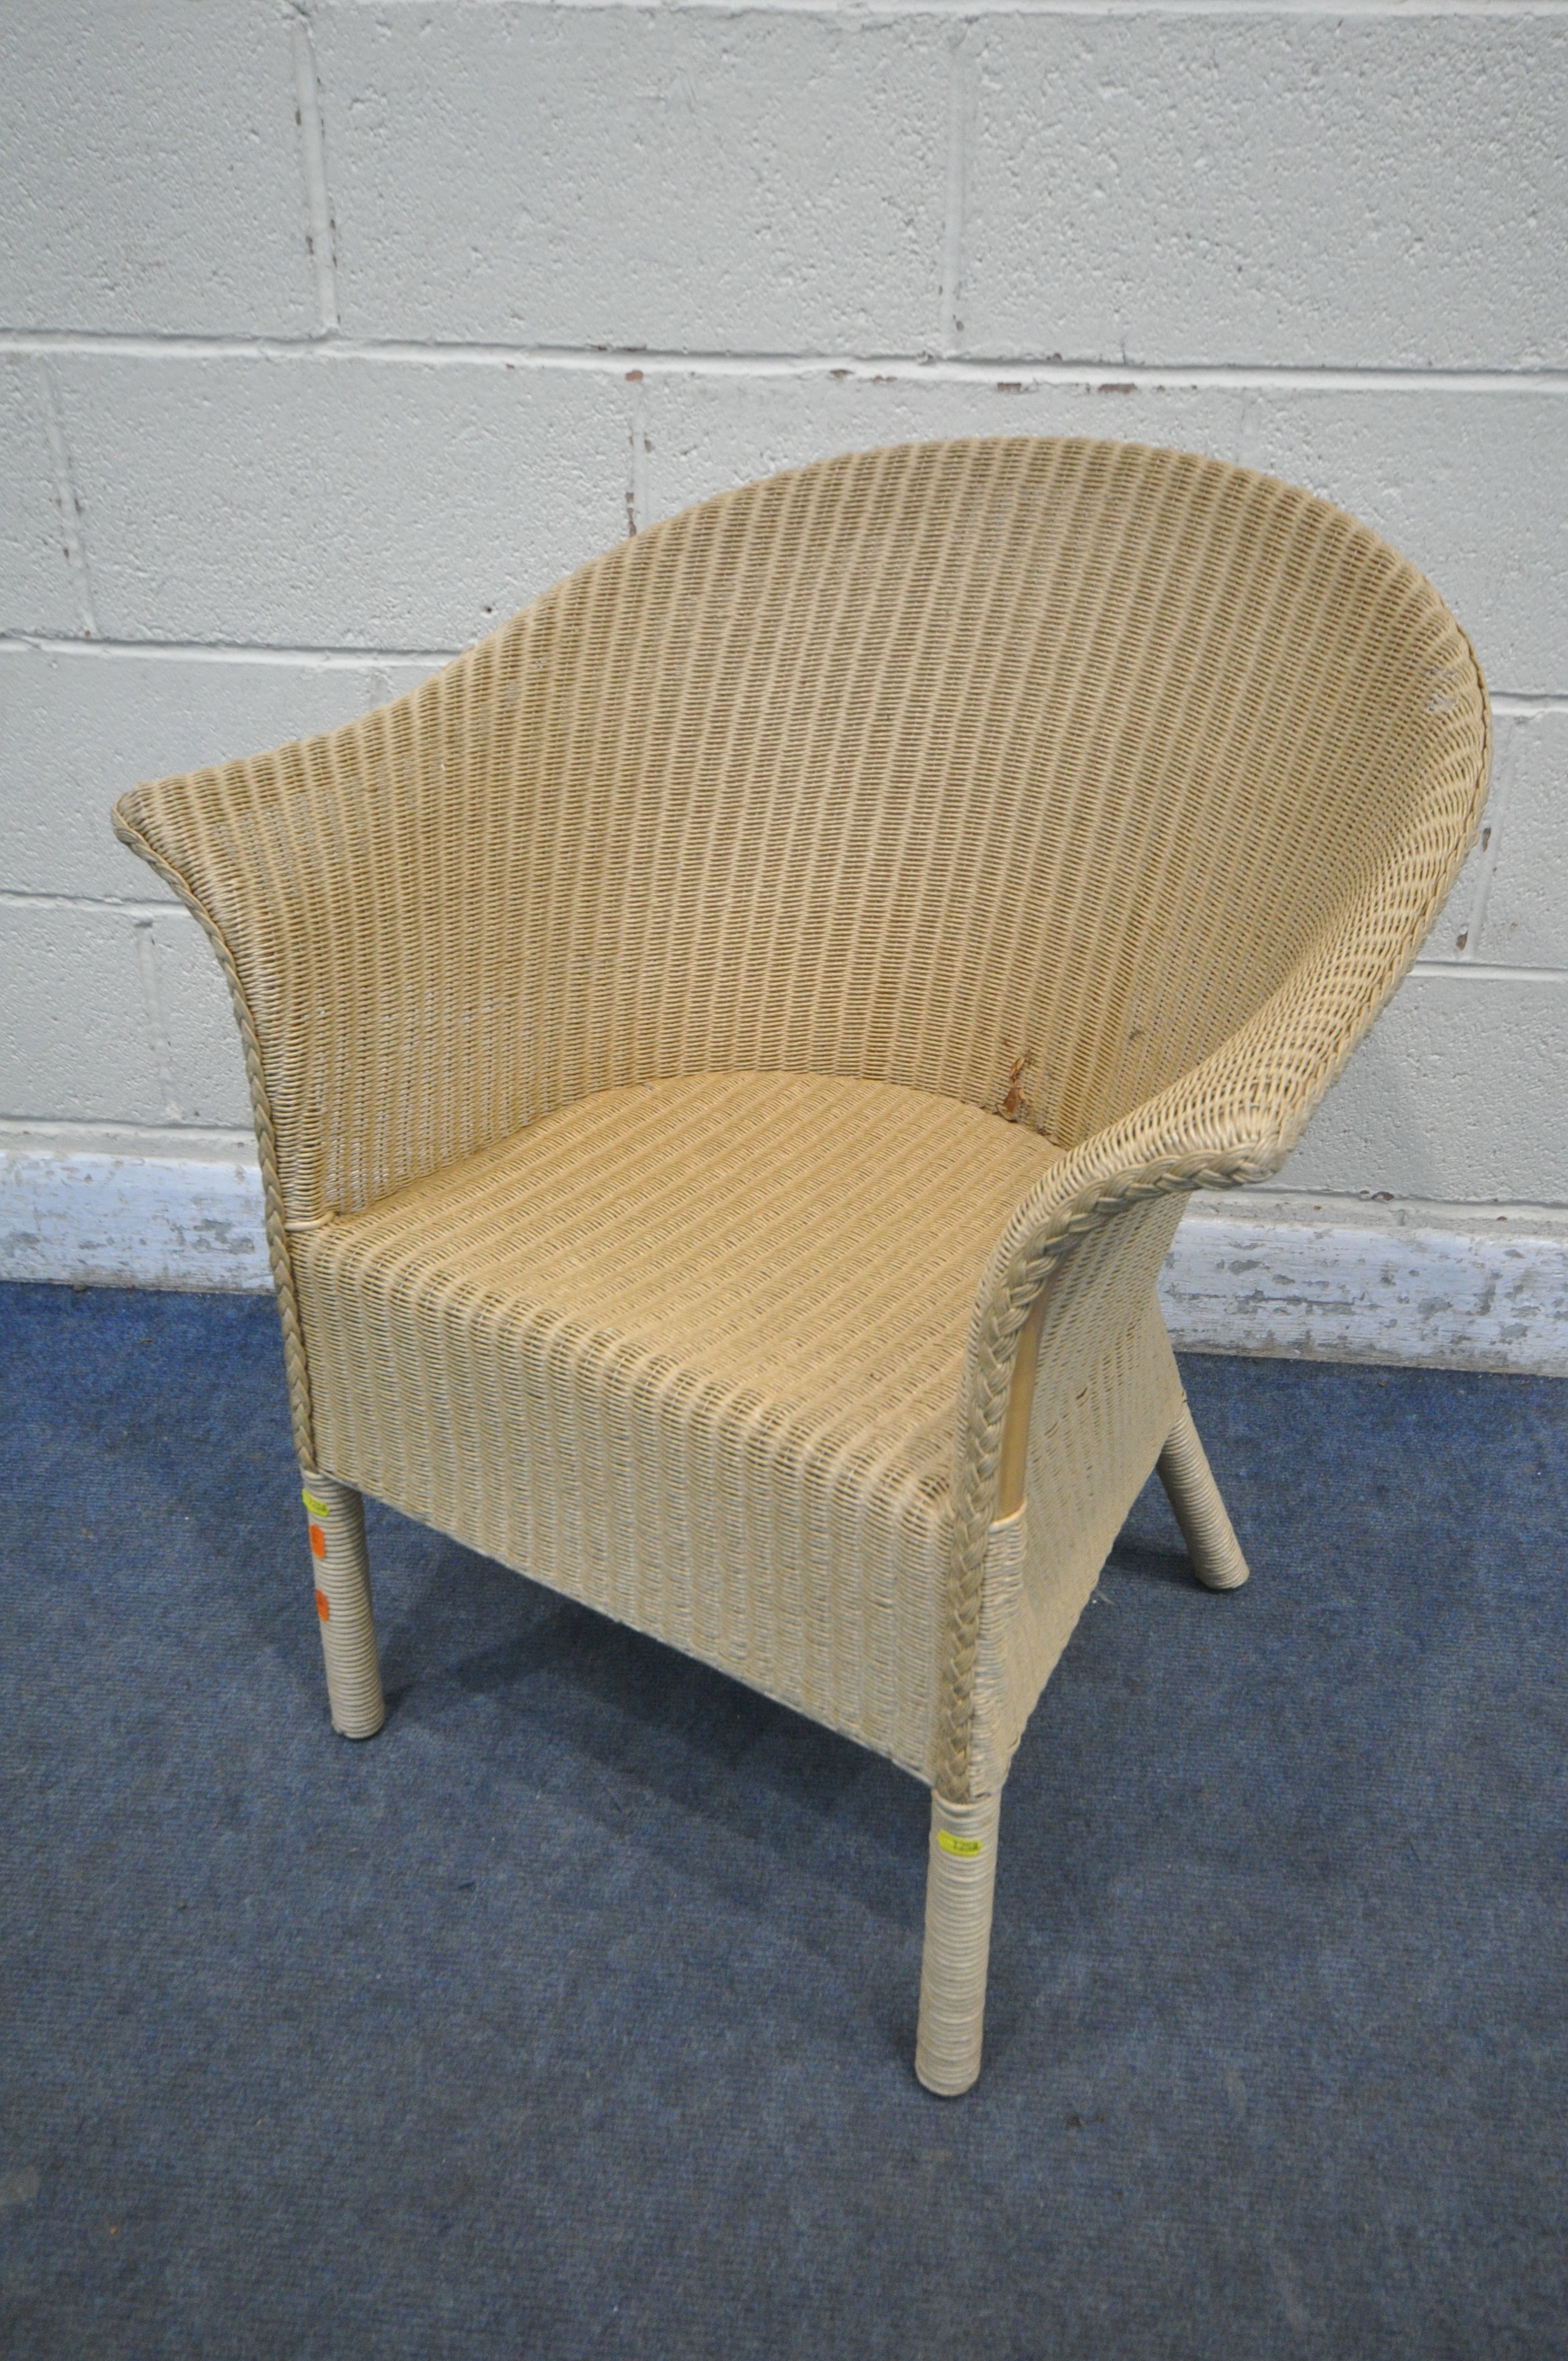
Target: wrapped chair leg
{"x":342,"y":1603}
{"x":959,"y":1882}
{"x":1206,"y":1527}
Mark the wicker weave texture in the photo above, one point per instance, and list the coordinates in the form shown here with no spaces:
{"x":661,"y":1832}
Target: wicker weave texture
{"x":1093,"y":1443}
{"x":1206,"y":1527}
{"x":1107,"y":789}
{"x":713,"y":1328}
{"x":959,"y":1889}
{"x":341,"y":1566}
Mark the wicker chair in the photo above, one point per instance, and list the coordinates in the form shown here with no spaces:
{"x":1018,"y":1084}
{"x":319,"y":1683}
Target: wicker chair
{"x":728,"y":1053}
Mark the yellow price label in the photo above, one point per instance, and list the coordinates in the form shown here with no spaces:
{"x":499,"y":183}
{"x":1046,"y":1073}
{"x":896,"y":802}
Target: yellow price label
{"x":317,"y":1508}
{"x":966,"y":1848}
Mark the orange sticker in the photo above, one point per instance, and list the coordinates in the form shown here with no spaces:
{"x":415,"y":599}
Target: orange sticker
{"x":323,"y":1606}
{"x":318,"y":1540}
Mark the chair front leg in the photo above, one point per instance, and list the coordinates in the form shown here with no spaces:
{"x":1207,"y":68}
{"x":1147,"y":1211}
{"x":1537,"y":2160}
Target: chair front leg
{"x":342,"y":1603}
{"x":960,"y":1883}
{"x":1206,"y":1527}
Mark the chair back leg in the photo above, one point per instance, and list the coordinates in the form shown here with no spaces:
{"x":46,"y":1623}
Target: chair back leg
{"x":959,"y":1882}
{"x":1206,"y":1527}
{"x":342,"y":1570}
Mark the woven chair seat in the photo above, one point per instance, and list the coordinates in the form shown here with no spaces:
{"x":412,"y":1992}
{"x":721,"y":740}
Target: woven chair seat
{"x":680,"y":1328}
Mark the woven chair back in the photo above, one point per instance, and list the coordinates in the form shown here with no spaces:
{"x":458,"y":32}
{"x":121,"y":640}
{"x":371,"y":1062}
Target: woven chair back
{"x":1018,"y":771}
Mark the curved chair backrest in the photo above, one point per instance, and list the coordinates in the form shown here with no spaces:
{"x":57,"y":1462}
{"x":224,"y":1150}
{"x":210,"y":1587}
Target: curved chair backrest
{"x":1019,"y":770}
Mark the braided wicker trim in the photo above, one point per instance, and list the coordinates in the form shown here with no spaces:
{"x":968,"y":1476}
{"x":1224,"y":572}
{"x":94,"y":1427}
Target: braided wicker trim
{"x":295,"y":1366}
{"x":988,"y":1378}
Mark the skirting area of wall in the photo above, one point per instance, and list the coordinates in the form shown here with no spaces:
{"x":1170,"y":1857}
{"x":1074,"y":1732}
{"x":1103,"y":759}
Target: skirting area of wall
{"x":1343,"y":1278}
{"x":92,"y":1215}
{"x":1475,"y":1287}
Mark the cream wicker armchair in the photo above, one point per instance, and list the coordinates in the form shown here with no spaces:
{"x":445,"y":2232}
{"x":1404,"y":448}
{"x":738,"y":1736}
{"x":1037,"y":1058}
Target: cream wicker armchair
{"x":728,"y":1053}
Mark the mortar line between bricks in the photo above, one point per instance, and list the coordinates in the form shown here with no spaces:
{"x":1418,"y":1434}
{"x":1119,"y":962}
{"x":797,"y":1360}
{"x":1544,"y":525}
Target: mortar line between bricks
{"x":321,"y":238}
{"x":1015,"y":373}
{"x":637,"y":515}
{"x":65,"y":494}
{"x":979,"y":10}
{"x":18,"y":897}
{"x":306,"y":659}
{"x":950,"y":326}
{"x":1505,"y":704}
{"x":156,"y":1019}
{"x":1494,"y":830}
{"x":1484,"y":971}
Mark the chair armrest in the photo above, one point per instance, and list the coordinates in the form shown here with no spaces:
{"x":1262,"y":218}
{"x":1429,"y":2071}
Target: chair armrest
{"x":342,"y":880}
{"x":1085,"y":1244}
{"x":1231,"y":1119}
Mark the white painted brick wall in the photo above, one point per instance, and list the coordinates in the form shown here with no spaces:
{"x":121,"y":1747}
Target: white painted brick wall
{"x":322,"y":502}
{"x":152,"y":170}
{"x":675,"y":179}
{"x":68,"y":726}
{"x":1457,"y":1095}
{"x":37,"y":580}
{"x":332,"y":330}
{"x":1523,"y":918}
{"x":114,"y":1016}
{"x":1270,"y":187}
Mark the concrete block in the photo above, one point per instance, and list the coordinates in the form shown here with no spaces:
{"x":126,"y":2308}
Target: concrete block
{"x":199,"y":1045}
{"x":703,"y":434}
{"x":1323,"y":191}
{"x":76,"y":1044}
{"x":76,"y":730}
{"x":36,"y":589}
{"x":1455,"y":934}
{"x":333,"y":502}
{"x":113,"y":1018}
{"x":675,"y":179}
{"x":1456,"y":1095}
{"x":1526,"y":922}
{"x":153,"y":170}
{"x":1472,"y":486}
{"x":1459,"y":932}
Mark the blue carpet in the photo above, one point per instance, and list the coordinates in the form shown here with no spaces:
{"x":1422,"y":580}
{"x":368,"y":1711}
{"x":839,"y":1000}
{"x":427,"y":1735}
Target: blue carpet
{"x":573,"y":2015}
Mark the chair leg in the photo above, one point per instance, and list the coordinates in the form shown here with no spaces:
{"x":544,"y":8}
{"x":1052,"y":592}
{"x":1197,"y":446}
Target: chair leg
{"x":1206,"y":1527}
{"x":959,"y":1882}
{"x":343,"y":1602}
